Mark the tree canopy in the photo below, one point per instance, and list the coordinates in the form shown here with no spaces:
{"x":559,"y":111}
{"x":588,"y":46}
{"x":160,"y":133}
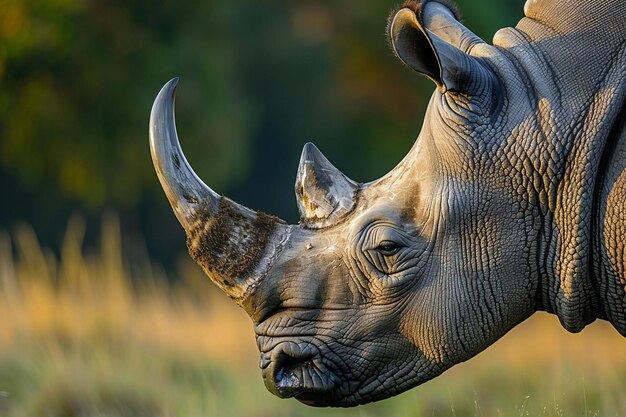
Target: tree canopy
{"x":258,"y":80}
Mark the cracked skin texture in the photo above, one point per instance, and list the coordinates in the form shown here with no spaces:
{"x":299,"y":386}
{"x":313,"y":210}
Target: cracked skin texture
{"x":511,"y":201}
{"x":572,"y":66}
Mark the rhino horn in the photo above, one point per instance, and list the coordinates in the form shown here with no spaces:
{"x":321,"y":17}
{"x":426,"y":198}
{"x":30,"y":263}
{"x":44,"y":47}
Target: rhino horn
{"x":233,"y":244}
{"x":324,"y":194}
{"x":183,"y":188}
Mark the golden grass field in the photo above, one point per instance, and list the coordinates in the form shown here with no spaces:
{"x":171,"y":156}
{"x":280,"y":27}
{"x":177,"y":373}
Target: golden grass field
{"x":97,"y":334}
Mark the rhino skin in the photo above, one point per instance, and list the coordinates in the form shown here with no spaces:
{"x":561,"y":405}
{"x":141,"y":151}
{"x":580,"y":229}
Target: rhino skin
{"x":512,"y":200}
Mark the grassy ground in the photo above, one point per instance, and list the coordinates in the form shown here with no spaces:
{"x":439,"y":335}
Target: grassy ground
{"x":79,"y":339}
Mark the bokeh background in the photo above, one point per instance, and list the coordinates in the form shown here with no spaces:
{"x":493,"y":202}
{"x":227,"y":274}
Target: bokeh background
{"x":101,"y":311}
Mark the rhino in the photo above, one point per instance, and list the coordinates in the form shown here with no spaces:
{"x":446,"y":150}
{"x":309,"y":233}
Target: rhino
{"x":512,"y":200}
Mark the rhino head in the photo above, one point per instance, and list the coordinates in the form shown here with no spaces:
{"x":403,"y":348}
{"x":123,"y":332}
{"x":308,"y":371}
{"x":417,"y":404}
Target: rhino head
{"x":385,"y":285}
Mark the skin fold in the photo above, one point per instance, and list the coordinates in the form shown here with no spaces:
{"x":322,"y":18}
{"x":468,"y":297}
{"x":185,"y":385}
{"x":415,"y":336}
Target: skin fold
{"x":511,"y":201}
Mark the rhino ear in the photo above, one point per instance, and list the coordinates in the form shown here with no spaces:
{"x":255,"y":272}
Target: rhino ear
{"x":426,"y":52}
{"x":324,"y":193}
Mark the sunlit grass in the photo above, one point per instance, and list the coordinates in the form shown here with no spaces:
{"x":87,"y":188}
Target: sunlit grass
{"x":99,"y":335}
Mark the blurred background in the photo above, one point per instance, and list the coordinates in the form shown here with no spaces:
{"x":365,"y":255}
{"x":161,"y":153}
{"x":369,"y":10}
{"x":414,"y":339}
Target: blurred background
{"x":101,"y":311}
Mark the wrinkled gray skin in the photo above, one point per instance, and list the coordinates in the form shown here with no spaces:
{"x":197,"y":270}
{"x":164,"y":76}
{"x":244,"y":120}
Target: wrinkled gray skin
{"x":511,"y":201}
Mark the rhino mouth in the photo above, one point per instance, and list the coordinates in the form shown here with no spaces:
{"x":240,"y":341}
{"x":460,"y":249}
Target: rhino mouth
{"x":297,"y":370}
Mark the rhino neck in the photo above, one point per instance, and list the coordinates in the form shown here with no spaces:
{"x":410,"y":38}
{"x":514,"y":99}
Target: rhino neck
{"x":579,"y":39}
{"x":609,"y":229}
{"x":582,"y":274}
{"x":572,"y":64}
{"x":582,"y":141}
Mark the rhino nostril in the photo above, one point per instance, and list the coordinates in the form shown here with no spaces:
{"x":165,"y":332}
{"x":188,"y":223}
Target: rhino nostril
{"x":289,"y":376}
{"x":296,"y":370}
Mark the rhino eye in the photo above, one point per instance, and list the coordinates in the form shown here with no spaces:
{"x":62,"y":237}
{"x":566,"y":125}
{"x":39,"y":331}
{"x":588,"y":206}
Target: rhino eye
{"x":388,"y":248}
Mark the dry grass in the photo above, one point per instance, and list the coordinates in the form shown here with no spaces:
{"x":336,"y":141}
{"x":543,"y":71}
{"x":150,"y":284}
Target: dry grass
{"x":99,"y":335}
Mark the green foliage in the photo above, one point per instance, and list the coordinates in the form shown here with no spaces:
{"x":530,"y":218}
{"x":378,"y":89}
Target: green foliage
{"x":77,"y":85}
{"x":258,"y":80}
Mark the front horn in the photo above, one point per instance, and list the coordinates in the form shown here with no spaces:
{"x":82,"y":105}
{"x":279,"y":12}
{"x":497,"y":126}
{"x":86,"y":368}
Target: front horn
{"x":233,"y":244}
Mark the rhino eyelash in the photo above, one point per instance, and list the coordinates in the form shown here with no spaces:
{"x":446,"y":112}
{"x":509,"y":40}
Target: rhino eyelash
{"x":388,"y":248}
